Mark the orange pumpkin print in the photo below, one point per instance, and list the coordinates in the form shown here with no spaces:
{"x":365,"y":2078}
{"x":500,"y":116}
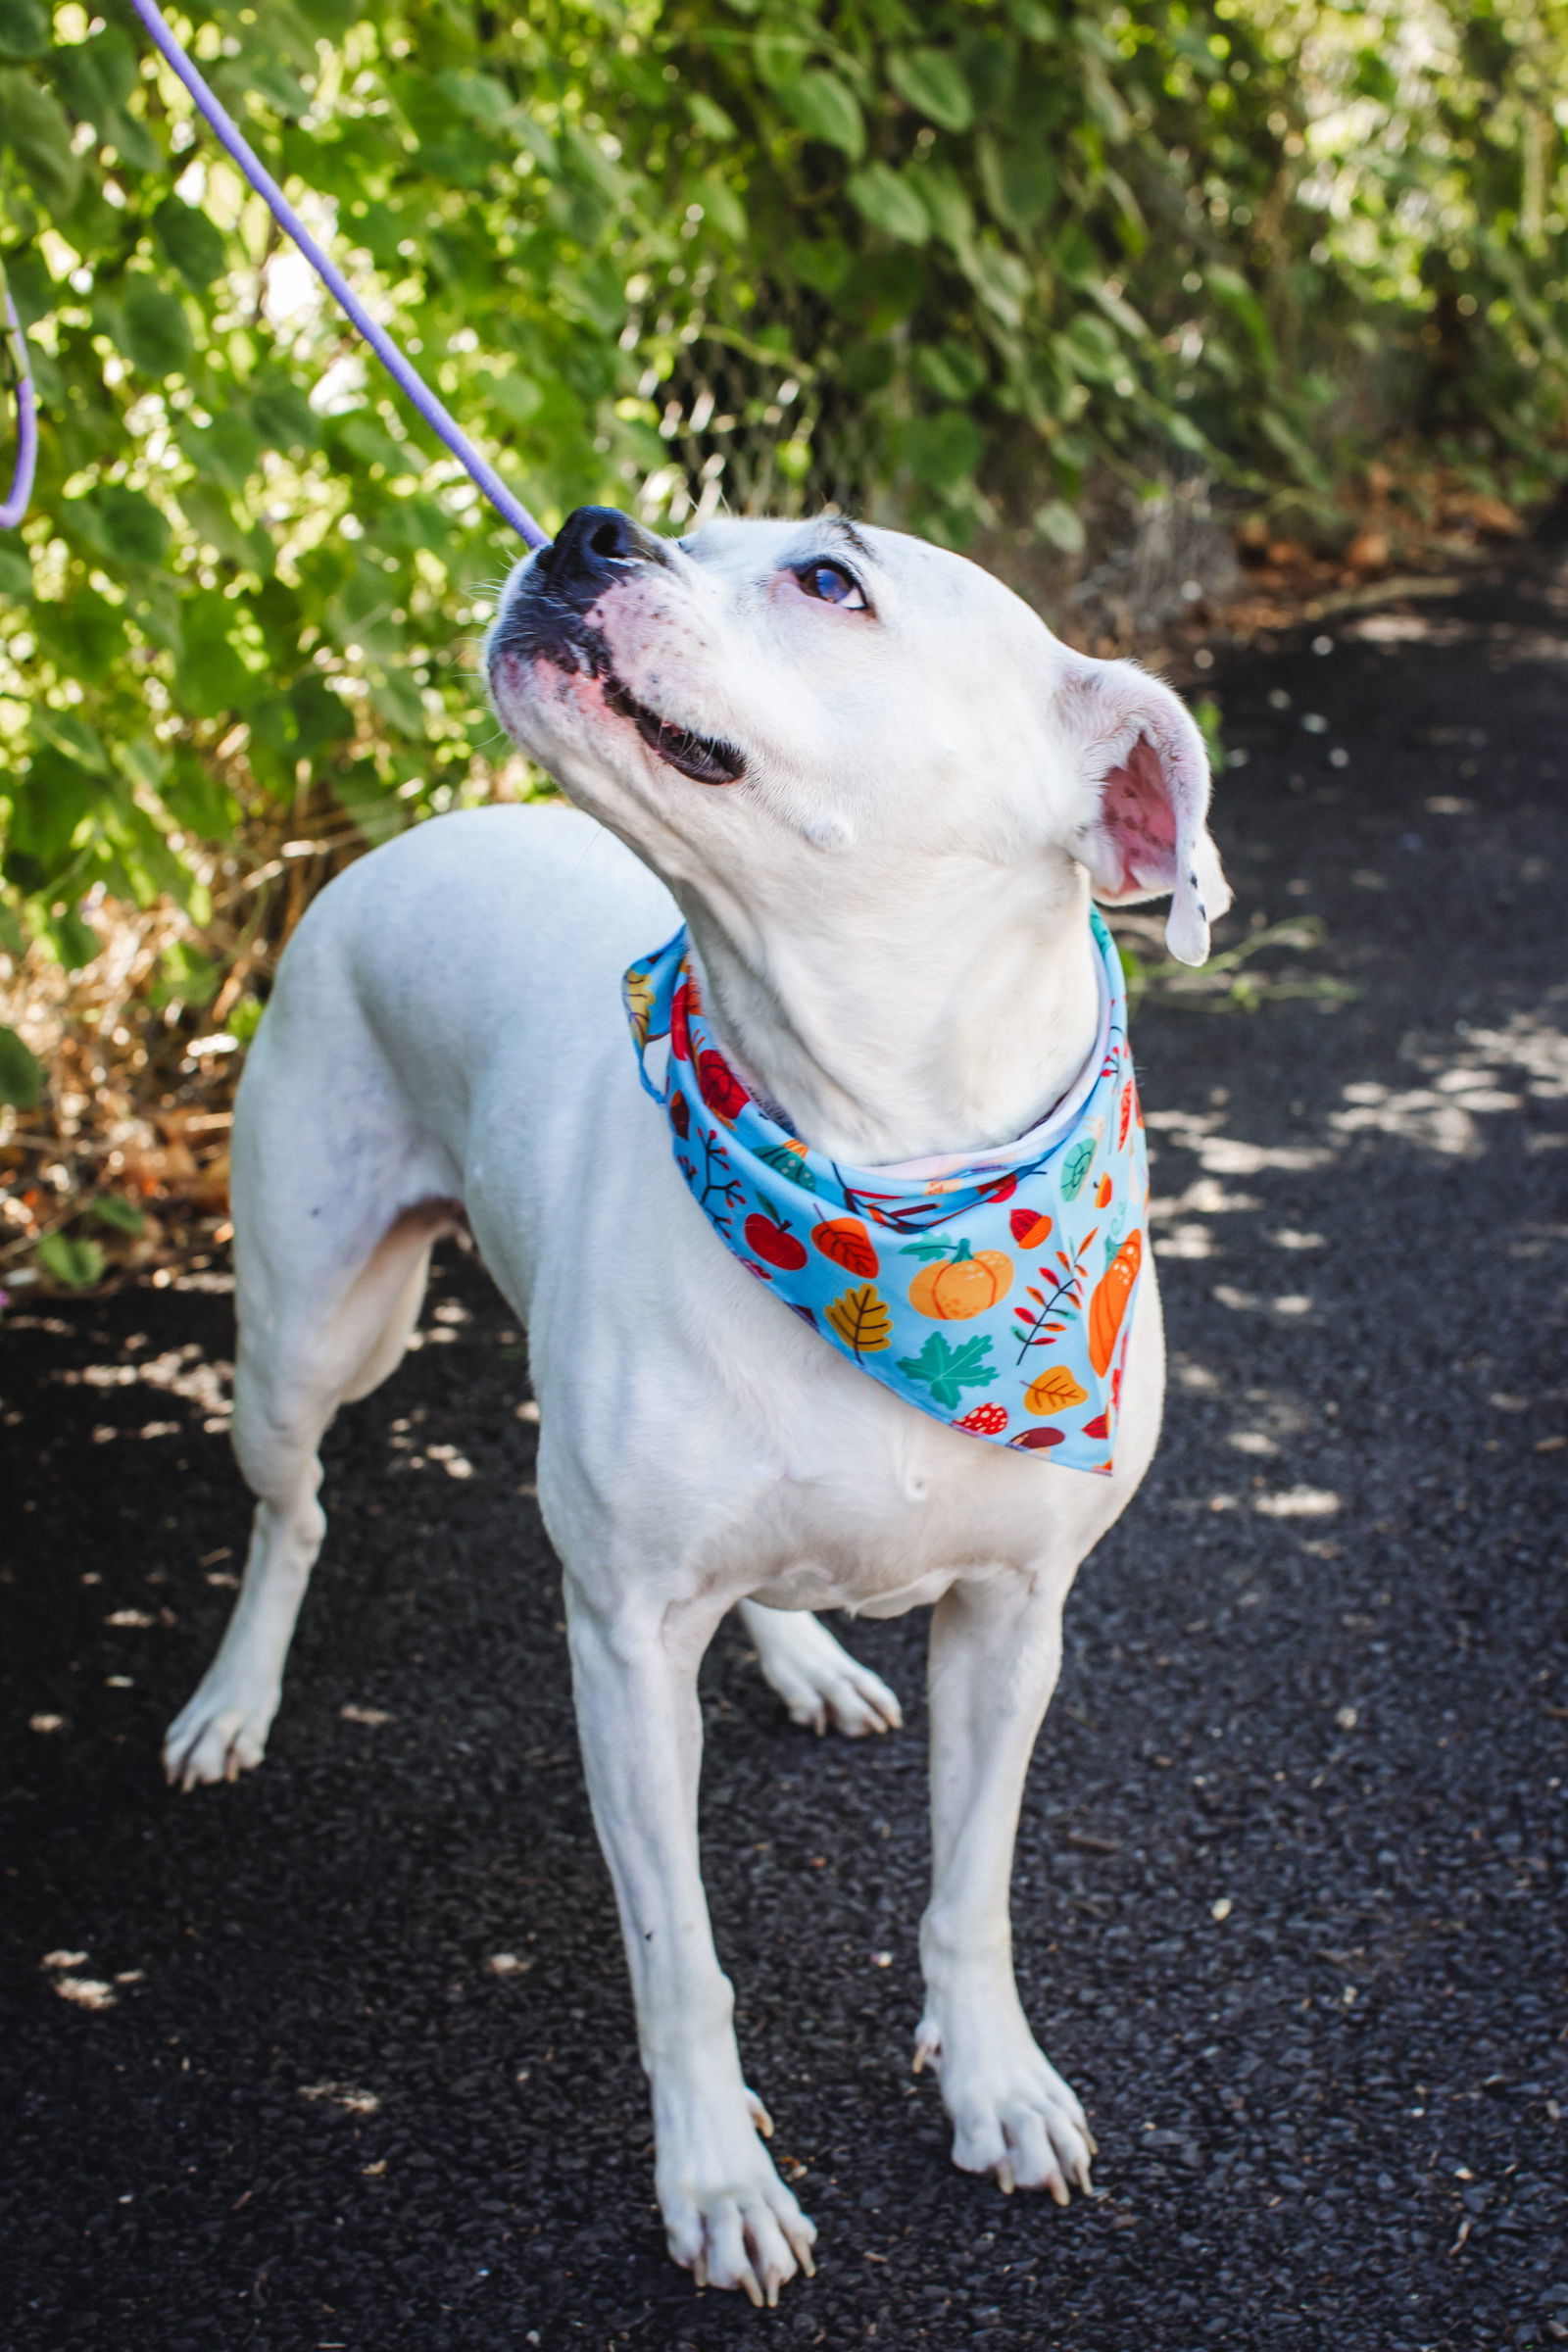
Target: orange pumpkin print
{"x":1110,"y":1301}
{"x":961,"y":1281}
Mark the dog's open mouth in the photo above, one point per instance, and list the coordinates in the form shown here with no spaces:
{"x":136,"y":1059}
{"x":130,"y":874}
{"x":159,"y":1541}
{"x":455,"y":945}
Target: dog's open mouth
{"x":706,"y":758}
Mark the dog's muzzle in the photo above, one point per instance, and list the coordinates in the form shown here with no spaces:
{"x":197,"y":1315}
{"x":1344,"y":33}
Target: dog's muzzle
{"x":549,"y":617}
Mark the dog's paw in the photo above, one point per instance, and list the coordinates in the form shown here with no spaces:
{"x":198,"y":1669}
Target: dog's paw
{"x":821,"y":1686}
{"x":1013,"y":2114}
{"x":220,"y":1734}
{"x":728,"y":2218}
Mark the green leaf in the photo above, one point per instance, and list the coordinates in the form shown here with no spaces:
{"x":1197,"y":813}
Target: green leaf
{"x":480,"y":96}
{"x":944,"y":450}
{"x":1019,"y":180}
{"x":77,"y":1264}
{"x":722,"y":207}
{"x":83,"y":630}
{"x":827,"y":108}
{"x":283,"y":419}
{"x":932,"y":81}
{"x":227,"y":450}
{"x":946,"y":199}
{"x":211,"y":678}
{"x":157,"y":333}
{"x":34,"y":125}
{"x":24,"y":30}
{"x":122,"y":525}
{"x":950,"y":369}
{"x":889,"y":201}
{"x":1001,"y":279}
{"x":71,"y":735}
{"x":115,"y":1212}
{"x":1059,"y":522}
{"x":22,"y":1074}
{"x":947,"y":1371}
{"x":710,"y":117}
{"x":192,"y":243}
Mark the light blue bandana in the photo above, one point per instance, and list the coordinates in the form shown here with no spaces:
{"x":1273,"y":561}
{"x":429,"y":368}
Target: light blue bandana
{"x":993,"y":1292}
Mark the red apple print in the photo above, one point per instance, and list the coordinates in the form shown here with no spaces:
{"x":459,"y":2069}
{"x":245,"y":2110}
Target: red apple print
{"x":1030,"y":1229}
{"x":680,"y":1037}
{"x":986,"y":1420}
{"x":771,"y":1239}
{"x":680,"y":1115}
{"x":722,"y":1091}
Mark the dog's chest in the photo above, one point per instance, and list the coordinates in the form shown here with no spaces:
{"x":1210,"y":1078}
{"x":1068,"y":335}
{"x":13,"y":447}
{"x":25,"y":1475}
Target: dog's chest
{"x":878,"y":1510}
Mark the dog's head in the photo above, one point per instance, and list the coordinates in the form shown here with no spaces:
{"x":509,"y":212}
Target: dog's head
{"x":763,"y":690}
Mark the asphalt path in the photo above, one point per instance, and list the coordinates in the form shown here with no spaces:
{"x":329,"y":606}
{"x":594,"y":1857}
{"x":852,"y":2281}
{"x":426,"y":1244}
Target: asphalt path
{"x":343,"y":2055}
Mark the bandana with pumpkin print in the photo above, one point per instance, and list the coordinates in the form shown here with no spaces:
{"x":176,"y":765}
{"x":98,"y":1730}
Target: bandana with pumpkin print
{"x":995,"y":1293}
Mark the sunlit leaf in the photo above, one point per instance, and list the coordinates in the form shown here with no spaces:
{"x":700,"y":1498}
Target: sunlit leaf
{"x":20,"y":1072}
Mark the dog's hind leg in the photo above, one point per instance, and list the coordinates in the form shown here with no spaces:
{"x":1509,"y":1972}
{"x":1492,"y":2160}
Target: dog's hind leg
{"x":820,"y":1682}
{"x":337,"y":1202}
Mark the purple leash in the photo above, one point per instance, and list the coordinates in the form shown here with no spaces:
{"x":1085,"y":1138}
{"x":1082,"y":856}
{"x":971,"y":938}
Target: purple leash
{"x":16,"y":505}
{"x":439,"y":419}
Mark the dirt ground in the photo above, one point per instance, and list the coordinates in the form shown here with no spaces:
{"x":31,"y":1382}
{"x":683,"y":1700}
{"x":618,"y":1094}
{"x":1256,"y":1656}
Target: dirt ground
{"x":343,"y":2057}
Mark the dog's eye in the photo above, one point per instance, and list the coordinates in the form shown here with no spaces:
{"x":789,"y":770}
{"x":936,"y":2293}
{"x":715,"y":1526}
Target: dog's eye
{"x":831,"y":584}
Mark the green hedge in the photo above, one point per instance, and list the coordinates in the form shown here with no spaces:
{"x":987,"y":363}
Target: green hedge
{"x":941,"y":263}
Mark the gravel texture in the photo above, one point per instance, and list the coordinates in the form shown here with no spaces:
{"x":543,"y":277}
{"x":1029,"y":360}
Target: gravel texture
{"x":1289,"y":1898}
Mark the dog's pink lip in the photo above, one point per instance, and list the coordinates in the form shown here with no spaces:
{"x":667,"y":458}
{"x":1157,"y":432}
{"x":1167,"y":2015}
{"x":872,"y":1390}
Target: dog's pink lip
{"x":705,"y":758}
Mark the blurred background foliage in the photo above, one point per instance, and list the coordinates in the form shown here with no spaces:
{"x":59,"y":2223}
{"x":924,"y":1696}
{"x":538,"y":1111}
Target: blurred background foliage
{"x":944,"y":262}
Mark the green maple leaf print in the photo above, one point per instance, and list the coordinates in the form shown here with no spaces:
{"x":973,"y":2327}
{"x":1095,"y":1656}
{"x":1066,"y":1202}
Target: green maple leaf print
{"x":947,"y":1371}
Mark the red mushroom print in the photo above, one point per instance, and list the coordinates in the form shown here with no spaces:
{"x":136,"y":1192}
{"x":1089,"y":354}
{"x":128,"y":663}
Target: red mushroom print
{"x":984,"y":1420}
{"x":1035,"y":1441}
{"x":680,"y":1114}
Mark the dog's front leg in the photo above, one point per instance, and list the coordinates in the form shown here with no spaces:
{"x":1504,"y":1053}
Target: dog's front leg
{"x":995,"y":1648}
{"x":728,"y":2217}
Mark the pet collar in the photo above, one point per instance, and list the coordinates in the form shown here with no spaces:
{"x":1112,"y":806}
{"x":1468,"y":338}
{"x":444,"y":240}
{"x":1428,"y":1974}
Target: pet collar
{"x":993,"y":1292}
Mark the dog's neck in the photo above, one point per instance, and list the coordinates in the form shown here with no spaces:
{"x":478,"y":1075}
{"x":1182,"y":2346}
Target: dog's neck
{"x":948,"y":1016}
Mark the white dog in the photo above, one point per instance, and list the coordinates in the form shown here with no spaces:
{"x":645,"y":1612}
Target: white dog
{"x":880,"y":794}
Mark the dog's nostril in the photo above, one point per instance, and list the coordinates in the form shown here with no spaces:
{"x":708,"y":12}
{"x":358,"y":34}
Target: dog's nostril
{"x":606,"y":541}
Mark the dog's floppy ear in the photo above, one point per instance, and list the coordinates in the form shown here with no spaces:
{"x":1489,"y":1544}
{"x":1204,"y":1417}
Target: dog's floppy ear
{"x":1142,"y":769}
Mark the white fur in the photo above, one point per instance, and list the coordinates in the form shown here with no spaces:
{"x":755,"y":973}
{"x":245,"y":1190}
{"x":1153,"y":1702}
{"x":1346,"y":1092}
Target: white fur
{"x":890,"y":912}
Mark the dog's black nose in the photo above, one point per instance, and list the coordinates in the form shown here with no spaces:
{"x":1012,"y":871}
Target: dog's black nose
{"x":589,"y":544}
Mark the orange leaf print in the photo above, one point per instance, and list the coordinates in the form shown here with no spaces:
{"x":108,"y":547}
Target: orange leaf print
{"x":1054,"y":1391}
{"x":847,"y":1243}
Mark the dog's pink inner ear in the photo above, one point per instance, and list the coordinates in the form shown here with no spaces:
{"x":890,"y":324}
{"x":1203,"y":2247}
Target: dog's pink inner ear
{"x":1136,"y":816}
